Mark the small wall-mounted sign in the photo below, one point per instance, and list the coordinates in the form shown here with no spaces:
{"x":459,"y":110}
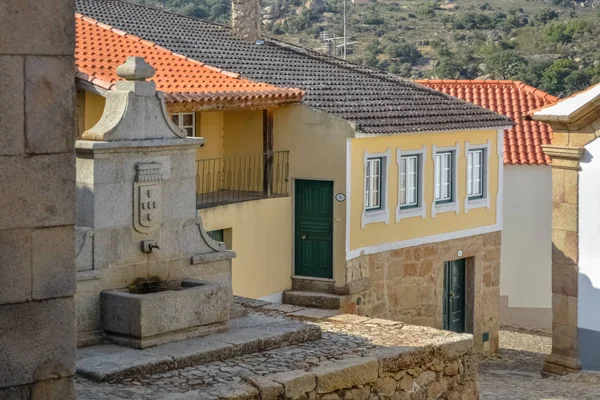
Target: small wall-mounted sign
{"x":460,"y":253}
{"x":340,"y":197}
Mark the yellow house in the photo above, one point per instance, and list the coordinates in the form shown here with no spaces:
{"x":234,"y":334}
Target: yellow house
{"x":374,"y":195}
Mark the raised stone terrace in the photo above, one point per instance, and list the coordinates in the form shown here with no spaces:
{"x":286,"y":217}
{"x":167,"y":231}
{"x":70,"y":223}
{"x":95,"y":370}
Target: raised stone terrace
{"x":324,"y":356}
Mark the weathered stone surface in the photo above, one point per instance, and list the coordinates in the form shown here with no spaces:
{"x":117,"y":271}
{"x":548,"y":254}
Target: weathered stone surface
{"x":406,"y":383}
{"x":385,"y":386}
{"x":426,"y":378}
{"x":12,"y":121}
{"x":139,"y":315}
{"x":53,"y":389}
{"x":50,"y":27}
{"x":346,"y":373}
{"x":52,"y":258}
{"x":15,"y":266}
{"x":235,"y":391}
{"x":120,"y":364}
{"x":37,"y":341}
{"x":295,"y":383}
{"x":48,"y":78}
{"x":15,"y":393}
{"x":84,"y":249}
{"x":52,"y":175}
{"x":268,"y":389}
{"x":434,"y":390}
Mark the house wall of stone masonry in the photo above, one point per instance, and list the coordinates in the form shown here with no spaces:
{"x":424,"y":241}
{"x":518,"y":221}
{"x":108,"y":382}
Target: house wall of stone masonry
{"x":37,"y":199}
{"x":407,"y":284}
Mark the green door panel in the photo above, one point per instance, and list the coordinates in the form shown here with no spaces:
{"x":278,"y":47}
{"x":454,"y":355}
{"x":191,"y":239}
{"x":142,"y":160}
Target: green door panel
{"x":313,"y":228}
{"x":454,"y":296}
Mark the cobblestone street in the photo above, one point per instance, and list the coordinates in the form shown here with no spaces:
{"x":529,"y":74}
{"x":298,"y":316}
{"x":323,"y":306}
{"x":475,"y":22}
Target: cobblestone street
{"x":515,"y":373}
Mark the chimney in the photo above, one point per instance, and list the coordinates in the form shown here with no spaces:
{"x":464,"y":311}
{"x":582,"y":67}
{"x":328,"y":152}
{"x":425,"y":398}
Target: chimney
{"x":246,"y":19}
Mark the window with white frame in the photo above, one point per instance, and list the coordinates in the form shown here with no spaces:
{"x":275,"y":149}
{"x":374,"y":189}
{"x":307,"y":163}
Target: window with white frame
{"x":444,"y":177}
{"x":475,"y":174}
{"x":186,"y":121}
{"x":409,"y":181}
{"x":373,"y":183}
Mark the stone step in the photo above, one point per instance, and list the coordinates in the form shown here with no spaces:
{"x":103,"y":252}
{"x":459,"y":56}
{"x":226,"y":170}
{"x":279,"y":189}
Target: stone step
{"x":249,"y":334}
{"x":325,"y":301}
{"x":305,"y":284}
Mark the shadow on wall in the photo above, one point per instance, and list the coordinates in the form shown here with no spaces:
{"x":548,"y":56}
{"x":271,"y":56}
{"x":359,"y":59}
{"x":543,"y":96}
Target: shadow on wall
{"x":588,"y":310}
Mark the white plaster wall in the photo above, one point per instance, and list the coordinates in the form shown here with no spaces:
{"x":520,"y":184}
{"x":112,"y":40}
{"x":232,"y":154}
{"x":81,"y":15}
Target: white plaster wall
{"x":589,"y":239}
{"x":526,"y":272}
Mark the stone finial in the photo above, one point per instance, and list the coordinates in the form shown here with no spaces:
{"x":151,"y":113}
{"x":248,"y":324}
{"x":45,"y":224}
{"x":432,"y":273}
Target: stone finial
{"x":134,"y":110}
{"x":135,"y":69}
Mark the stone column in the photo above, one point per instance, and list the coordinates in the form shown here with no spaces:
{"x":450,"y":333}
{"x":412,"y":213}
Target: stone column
{"x":246,"y":19}
{"x":37,"y":199}
{"x":565,"y":238}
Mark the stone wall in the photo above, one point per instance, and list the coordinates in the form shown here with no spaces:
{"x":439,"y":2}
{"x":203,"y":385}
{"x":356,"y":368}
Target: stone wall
{"x":446,"y":372}
{"x":407,"y":284}
{"x":37,"y":199}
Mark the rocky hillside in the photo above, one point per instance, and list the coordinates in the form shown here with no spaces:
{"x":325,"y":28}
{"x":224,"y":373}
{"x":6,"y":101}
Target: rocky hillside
{"x":550,"y":44}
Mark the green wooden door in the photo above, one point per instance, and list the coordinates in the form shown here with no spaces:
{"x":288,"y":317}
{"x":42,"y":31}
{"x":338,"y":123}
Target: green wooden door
{"x":314,"y":229}
{"x":454,"y":296}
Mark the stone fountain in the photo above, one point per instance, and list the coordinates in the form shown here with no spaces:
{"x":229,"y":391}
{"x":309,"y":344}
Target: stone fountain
{"x":147,"y":272}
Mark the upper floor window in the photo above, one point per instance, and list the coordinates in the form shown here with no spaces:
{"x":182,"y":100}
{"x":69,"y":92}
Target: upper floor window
{"x":186,"y":121}
{"x":375,"y":188}
{"x":478,"y":190}
{"x":373,"y":183}
{"x":475,"y":173}
{"x":409,"y":181}
{"x":444,"y":177}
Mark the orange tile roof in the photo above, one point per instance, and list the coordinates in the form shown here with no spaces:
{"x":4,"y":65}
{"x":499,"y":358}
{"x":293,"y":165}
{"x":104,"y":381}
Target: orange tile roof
{"x":100,"y":49}
{"x":523,"y":143}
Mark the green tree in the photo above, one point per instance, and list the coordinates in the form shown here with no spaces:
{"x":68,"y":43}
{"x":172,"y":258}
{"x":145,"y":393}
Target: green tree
{"x":404,"y":52}
{"x":553,"y":78}
{"x":505,"y":64}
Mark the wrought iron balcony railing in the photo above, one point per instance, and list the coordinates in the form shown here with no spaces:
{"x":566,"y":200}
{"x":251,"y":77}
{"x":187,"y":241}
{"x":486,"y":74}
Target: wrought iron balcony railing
{"x":242,"y":178}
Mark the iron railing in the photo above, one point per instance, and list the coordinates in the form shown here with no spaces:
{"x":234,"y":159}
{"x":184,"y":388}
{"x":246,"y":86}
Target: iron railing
{"x":235,"y":179}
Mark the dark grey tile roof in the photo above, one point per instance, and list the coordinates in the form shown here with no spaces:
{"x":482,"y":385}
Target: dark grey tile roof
{"x":377,"y":102}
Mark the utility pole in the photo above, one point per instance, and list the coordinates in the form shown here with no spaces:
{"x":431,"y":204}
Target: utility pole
{"x":345,"y":41}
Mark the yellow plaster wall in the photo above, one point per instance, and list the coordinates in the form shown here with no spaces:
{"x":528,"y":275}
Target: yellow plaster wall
{"x":410,"y":228}
{"x":209,"y":125}
{"x":94,"y":107}
{"x":260,"y":235}
{"x":243,"y":132}
{"x":317,"y":145}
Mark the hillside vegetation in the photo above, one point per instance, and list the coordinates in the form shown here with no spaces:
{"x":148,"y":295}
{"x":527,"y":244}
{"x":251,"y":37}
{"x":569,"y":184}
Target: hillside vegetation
{"x":550,"y":44}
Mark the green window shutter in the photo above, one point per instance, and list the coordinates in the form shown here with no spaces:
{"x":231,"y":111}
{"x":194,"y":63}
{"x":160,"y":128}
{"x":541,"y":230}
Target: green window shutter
{"x":216,"y":235}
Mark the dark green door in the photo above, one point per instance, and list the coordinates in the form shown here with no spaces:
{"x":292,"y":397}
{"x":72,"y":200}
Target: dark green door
{"x":454,"y":296}
{"x":314,"y":229}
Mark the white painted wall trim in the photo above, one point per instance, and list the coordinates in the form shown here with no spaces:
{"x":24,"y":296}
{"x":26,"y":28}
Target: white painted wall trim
{"x":348,"y":190}
{"x":485,"y":201}
{"x":500,"y":195}
{"x":454,"y":205}
{"x":382,"y":215}
{"x":449,"y":131}
{"x":422,"y":240}
{"x":421,"y":210}
{"x":273,"y":298}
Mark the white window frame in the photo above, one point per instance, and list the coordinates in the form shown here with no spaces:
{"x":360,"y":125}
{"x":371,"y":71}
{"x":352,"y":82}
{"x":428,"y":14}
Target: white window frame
{"x":382,"y":214}
{"x":471,"y":204}
{"x":454,"y":205}
{"x":181,"y":125}
{"x":420,"y":210}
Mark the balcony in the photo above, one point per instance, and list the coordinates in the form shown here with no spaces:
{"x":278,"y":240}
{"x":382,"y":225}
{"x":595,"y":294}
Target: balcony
{"x":228,"y":180}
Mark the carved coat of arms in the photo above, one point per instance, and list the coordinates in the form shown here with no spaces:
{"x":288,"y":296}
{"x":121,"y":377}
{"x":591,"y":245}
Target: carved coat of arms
{"x":146,"y":197}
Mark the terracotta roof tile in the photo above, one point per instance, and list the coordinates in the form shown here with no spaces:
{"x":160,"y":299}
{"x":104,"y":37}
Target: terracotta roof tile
{"x":100,"y":49}
{"x":375,"y":101}
{"x":523,"y":143}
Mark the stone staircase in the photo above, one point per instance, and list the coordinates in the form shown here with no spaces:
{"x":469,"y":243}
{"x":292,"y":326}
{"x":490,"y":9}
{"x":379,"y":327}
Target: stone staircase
{"x":315,"y":293}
